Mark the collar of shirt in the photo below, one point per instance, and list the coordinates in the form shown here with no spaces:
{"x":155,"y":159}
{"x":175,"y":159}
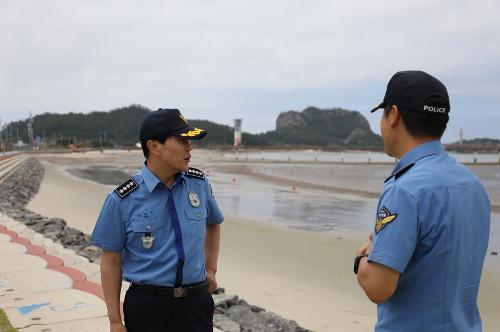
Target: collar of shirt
{"x":419,"y":152}
{"x":152,"y":181}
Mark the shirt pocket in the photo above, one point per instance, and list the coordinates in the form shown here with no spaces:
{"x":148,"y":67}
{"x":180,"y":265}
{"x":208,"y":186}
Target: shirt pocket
{"x":140,"y":230}
{"x":197,"y":221}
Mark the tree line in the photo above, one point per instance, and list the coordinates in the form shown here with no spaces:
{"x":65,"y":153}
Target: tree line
{"x":120,"y":128}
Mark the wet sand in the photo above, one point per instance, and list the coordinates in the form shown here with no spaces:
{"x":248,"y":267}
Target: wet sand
{"x":300,"y":275}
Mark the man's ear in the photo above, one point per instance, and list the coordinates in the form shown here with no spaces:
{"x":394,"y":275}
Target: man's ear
{"x":394,"y":117}
{"x":154,"y":147}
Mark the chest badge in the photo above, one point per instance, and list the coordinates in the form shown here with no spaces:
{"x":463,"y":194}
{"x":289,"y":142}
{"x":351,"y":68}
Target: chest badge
{"x":194,"y":199}
{"x":147,"y":240}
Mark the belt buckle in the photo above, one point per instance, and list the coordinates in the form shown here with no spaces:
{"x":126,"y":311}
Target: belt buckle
{"x":179,"y":292}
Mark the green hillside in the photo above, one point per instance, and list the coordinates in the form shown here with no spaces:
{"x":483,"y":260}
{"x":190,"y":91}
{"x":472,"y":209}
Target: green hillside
{"x":120,"y":127}
{"x":316,"y":127}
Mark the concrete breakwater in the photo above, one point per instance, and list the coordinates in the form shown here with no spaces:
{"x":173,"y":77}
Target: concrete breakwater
{"x":231,"y":314}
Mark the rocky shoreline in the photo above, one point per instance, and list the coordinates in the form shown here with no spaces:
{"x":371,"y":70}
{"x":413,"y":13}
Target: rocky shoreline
{"x":231,"y":313}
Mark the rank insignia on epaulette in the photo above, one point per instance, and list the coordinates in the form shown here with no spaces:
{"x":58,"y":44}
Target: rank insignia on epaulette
{"x":196,"y":173}
{"x":384,"y":217}
{"x":126,"y":187}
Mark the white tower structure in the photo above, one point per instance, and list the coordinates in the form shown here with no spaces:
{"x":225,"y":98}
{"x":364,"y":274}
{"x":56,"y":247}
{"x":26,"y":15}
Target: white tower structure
{"x":237,"y":133}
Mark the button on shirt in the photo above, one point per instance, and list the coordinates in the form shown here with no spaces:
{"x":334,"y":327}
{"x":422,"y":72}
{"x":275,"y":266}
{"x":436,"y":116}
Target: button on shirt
{"x":433,"y":228}
{"x":123,"y":224}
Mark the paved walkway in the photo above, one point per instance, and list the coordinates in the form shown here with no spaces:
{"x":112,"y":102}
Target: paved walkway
{"x":45,"y":287}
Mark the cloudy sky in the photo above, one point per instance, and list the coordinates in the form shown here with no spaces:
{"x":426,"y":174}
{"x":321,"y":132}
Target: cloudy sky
{"x":225,"y":59}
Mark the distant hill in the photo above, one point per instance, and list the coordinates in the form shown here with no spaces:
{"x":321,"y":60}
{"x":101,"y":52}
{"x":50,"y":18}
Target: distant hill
{"x":316,"y":127}
{"x":480,"y":141}
{"x":120,"y":127}
{"x":116,"y":127}
{"x":475,"y":145}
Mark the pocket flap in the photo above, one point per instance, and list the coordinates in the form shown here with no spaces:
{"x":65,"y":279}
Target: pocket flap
{"x":196,"y":214}
{"x":144,"y":226}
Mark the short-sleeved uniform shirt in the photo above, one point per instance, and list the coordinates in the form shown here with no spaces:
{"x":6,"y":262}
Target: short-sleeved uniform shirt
{"x":124,"y":222}
{"x":432,"y":226}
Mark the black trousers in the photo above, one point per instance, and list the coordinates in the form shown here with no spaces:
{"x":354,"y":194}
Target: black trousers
{"x":159,"y":313}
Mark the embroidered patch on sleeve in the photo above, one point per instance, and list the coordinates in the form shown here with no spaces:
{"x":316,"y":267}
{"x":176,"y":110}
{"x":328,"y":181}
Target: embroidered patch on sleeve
{"x":384,"y":217}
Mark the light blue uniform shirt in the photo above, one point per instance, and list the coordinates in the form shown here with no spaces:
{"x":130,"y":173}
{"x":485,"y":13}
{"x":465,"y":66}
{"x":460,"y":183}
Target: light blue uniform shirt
{"x":432,"y":226}
{"x":123,"y":222}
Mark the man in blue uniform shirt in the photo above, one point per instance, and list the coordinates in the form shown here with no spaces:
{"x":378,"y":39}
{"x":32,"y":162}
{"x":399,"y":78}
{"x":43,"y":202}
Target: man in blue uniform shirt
{"x":423,"y":264}
{"x":160,"y":230}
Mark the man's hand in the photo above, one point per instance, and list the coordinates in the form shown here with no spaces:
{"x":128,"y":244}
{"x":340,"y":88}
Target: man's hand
{"x":212,"y":240}
{"x":366,"y":247}
{"x":212,"y":282}
{"x":378,"y":281}
{"x":117,"y":327}
{"x":111,"y":280}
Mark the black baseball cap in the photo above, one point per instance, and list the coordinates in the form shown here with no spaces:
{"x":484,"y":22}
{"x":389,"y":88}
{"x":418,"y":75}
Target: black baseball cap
{"x":416,"y":91}
{"x":168,"y":121}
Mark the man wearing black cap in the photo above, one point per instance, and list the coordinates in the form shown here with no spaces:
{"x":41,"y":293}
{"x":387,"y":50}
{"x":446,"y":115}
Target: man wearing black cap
{"x":423,"y":264}
{"x":160,"y":230}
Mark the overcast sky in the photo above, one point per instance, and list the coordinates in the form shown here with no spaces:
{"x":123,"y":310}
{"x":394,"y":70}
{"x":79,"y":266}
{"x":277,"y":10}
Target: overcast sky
{"x":225,"y":59}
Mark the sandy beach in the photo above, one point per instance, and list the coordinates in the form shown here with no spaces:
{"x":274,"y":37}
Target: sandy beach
{"x":301,"y":275}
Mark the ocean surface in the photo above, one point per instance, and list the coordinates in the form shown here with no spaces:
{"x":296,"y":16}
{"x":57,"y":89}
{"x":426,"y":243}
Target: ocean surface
{"x":348,"y":156}
{"x":241,"y":192}
{"x":319,"y":210}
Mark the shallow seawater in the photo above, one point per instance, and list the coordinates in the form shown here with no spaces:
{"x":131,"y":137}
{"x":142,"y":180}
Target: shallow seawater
{"x":307,"y":209}
{"x":103,"y":174}
{"x":312,"y":210}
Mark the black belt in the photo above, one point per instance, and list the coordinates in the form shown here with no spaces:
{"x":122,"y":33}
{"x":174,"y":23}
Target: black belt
{"x":175,"y":292}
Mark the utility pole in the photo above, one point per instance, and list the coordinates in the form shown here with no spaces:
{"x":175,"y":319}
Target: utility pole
{"x":30,"y":130}
{"x":6,"y":129}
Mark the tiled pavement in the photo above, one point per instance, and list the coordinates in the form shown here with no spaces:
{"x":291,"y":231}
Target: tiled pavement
{"x":45,"y":287}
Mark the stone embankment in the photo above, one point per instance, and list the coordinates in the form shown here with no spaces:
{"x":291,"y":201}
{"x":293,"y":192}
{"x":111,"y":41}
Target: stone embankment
{"x":231,"y":313}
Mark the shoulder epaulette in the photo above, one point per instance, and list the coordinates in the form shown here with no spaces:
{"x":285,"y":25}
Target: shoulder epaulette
{"x":400,"y":172}
{"x":126,"y":188}
{"x":195,"y":173}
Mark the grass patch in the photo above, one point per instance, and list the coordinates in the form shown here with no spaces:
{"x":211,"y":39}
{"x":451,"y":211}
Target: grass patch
{"x":5,"y":324}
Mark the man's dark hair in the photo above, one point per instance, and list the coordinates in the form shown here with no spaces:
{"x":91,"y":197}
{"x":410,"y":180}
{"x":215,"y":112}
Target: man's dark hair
{"x":421,"y":124}
{"x":144,"y":144}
